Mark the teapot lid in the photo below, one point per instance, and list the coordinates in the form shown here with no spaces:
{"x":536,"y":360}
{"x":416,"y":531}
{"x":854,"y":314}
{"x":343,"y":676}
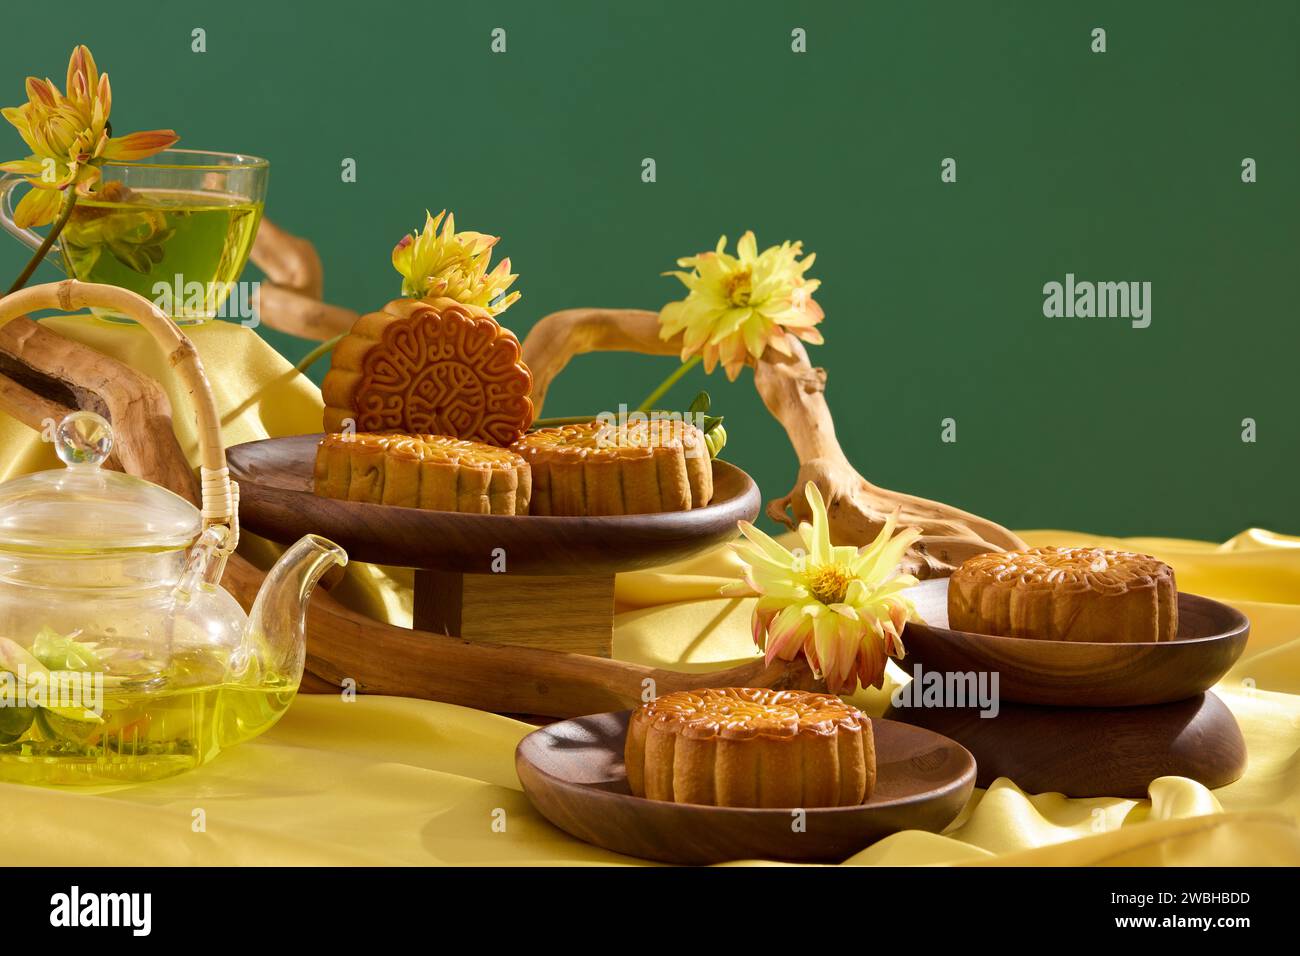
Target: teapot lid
{"x":87,"y":509}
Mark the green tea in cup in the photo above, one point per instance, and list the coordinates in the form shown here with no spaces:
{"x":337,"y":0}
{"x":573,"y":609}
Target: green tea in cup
{"x":144,"y":239}
{"x":176,"y":228}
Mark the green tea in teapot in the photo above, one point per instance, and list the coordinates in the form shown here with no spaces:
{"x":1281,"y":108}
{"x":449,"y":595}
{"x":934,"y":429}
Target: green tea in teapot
{"x":181,"y":249}
{"x":142,"y":721}
{"x":122,"y":658}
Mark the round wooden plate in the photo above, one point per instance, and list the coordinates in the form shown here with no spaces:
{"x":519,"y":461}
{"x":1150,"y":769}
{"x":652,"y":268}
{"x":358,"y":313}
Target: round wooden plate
{"x":276,"y":501}
{"x":1211,"y":636}
{"x":573,"y":773}
{"x":1094,"y":751}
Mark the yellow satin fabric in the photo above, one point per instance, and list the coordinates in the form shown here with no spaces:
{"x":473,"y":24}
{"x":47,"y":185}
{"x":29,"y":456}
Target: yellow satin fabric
{"x":399,"y":781}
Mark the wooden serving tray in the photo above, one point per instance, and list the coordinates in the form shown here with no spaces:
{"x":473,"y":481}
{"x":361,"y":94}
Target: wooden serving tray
{"x":573,"y":773}
{"x":557,"y":587}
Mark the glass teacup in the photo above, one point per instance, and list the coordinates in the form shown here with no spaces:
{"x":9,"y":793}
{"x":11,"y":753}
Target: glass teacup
{"x":176,"y":228}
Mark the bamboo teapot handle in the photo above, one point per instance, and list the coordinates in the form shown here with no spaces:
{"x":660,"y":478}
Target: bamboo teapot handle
{"x":220,"y":493}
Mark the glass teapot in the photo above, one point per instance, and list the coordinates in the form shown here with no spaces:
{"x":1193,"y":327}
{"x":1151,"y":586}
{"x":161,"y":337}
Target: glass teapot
{"x":121,"y":658}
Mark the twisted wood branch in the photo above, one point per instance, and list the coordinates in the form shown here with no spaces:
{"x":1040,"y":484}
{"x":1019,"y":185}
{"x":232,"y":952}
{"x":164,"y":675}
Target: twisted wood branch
{"x":791,"y":388}
{"x":291,"y":297}
{"x":794,"y":392}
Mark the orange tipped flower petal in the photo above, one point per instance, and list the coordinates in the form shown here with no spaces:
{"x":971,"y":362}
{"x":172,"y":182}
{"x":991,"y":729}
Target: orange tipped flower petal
{"x":139,"y":145}
{"x":83,"y":76}
{"x":42,"y":92}
{"x":104,"y":100}
{"x":23,"y":167}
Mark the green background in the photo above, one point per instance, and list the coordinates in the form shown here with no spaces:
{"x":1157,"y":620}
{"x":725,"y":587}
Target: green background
{"x":1117,"y":166}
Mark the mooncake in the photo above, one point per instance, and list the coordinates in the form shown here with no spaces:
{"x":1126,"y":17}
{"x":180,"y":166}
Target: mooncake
{"x":434,"y":472}
{"x":751,"y":747}
{"x":1065,"y":594}
{"x":601,"y":468}
{"x":430,"y":367}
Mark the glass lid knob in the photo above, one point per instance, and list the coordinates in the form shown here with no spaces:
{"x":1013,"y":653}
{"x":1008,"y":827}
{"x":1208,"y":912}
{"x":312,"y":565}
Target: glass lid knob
{"x":83,"y":438}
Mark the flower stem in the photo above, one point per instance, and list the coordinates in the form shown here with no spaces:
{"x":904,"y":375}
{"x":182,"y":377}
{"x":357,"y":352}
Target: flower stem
{"x":65,"y":212}
{"x":668,"y":383}
{"x":319,"y":352}
{"x":567,"y":420}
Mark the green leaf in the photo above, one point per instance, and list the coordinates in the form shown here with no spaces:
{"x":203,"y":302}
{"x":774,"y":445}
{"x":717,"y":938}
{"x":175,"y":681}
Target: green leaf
{"x":131,"y":256}
{"x":66,"y":724}
{"x":14,"y":722}
{"x":715,"y":440}
{"x":60,"y":653}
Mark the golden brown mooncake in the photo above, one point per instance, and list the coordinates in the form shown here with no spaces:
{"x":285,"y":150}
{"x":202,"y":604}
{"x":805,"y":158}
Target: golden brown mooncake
{"x":434,"y":472}
{"x":599,"y":468}
{"x":751,"y":747}
{"x":1065,"y":594}
{"x":435,"y":367}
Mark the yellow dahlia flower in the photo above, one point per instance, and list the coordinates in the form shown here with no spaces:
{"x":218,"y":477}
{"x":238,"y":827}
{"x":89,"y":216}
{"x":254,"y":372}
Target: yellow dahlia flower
{"x":840,"y":606}
{"x":453,"y":264}
{"x":739,"y":305}
{"x":69,"y":137}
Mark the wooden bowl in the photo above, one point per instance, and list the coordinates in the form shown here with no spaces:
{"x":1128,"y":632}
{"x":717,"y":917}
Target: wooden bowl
{"x":1211,"y":636}
{"x":573,"y":773}
{"x":276,"y":501}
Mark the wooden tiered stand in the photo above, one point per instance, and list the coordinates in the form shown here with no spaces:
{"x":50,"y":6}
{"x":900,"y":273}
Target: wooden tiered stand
{"x":533,"y":581}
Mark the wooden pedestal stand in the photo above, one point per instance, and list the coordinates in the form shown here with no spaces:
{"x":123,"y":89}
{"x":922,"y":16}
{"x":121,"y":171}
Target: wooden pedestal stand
{"x":545,"y":582}
{"x":503,"y":609}
{"x":1094,"y":751}
{"x":1082,"y":719}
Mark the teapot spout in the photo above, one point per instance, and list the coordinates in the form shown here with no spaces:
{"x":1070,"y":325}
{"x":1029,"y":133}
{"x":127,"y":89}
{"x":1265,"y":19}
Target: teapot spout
{"x":275,"y":645}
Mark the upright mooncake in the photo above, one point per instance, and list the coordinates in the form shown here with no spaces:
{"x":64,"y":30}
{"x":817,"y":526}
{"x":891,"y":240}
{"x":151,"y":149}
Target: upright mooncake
{"x":1065,"y":594}
{"x":434,"y":472}
{"x":751,"y":747}
{"x":599,"y":468}
{"x":430,"y":367}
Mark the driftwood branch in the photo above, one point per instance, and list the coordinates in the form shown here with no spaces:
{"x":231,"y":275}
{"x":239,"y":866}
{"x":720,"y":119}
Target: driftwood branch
{"x":562,"y":336}
{"x":791,"y":388}
{"x":291,"y":297}
{"x":48,"y":373}
{"x":38,"y":411}
{"x":794,"y":392}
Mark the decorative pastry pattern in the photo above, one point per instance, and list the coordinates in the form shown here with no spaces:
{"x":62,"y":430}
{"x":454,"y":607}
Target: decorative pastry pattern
{"x":1065,"y":594}
{"x":434,"y":472}
{"x":751,"y":747}
{"x":599,"y":468}
{"x":430,"y":367}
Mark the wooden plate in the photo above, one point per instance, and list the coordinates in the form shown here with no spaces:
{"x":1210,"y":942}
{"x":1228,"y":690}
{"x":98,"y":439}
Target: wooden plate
{"x":276,"y":501}
{"x":1095,"y":751}
{"x":573,"y":773}
{"x":1211,"y":636}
